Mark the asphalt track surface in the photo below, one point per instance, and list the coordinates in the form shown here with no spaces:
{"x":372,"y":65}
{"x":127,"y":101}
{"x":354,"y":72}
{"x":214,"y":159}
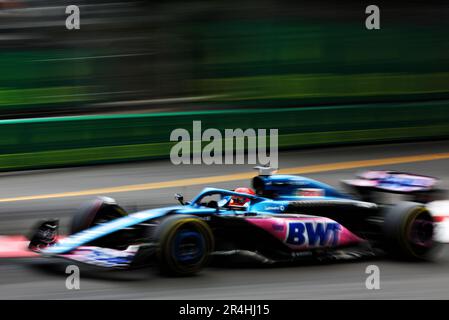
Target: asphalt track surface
{"x":64,"y":190}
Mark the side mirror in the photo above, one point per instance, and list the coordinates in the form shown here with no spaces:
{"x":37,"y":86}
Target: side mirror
{"x":180,"y":198}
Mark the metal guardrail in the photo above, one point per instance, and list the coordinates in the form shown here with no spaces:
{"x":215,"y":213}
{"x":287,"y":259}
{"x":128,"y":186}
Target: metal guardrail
{"x":80,"y":140}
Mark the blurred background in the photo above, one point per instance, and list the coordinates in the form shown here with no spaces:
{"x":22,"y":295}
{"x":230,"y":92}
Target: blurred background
{"x":136,"y":70}
{"x":153,"y":55}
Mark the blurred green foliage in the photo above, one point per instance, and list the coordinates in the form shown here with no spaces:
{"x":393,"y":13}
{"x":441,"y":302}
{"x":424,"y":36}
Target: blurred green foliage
{"x":235,"y":59}
{"x":306,"y":62}
{"x":37,"y":78}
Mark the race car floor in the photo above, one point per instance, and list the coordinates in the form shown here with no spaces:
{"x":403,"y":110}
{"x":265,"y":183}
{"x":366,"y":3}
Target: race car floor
{"x":26,"y":197}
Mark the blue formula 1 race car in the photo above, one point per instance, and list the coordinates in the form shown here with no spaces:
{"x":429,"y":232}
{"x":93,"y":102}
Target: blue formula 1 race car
{"x":286,"y":218}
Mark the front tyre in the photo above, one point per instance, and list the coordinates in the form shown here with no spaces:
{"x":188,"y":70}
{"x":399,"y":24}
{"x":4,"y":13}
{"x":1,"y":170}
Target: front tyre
{"x":184,"y":245}
{"x":409,"y":231}
{"x":100,"y":210}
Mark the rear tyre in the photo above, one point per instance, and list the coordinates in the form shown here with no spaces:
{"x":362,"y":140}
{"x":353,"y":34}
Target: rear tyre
{"x":184,"y":245}
{"x":409,"y":231}
{"x":100,"y":210}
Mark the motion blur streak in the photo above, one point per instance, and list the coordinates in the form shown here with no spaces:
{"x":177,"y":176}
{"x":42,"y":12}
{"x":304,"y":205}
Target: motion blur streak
{"x":236,"y":177}
{"x":218,"y":53}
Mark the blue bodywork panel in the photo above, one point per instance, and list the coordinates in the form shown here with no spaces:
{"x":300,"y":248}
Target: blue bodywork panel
{"x":287,"y":187}
{"x":101,"y":230}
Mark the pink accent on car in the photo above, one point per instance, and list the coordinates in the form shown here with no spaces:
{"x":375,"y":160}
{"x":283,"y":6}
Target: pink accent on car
{"x":15,"y":247}
{"x":281,"y":228}
{"x":362,"y":183}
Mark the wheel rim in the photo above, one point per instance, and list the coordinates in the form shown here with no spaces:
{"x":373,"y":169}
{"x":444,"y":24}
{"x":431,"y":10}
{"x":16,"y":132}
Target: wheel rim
{"x":188,"y":247}
{"x":421,"y":231}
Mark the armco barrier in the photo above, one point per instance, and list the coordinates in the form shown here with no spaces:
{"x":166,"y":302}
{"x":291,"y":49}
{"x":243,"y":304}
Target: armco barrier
{"x":52,"y":142}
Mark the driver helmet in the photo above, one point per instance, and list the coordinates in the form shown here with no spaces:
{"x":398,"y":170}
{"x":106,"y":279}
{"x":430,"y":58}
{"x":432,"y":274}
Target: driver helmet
{"x":237,"y":201}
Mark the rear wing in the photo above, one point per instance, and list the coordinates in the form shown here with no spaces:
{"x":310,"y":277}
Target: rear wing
{"x":421,"y":188}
